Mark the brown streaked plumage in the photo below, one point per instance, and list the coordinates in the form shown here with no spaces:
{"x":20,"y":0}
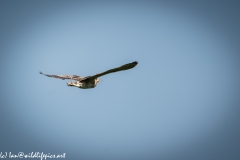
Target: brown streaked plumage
{"x":90,"y":81}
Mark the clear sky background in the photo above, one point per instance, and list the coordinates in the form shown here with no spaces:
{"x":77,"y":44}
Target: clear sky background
{"x":181,"y":102}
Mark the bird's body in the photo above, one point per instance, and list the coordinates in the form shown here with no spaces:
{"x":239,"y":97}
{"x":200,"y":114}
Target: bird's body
{"x":84,"y":84}
{"x":90,"y":81}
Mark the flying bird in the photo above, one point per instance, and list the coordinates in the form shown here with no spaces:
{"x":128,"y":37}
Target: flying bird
{"x":90,"y":81}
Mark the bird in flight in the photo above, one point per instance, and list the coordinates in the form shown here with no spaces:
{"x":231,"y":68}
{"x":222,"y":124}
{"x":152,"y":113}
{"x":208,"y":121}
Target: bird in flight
{"x":90,"y":81}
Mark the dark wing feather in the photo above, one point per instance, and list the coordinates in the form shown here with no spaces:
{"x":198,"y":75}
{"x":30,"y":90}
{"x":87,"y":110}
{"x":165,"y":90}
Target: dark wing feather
{"x":63,"y":77}
{"x":121,"y":68}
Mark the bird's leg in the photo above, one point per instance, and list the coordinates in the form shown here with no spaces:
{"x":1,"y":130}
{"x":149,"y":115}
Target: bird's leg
{"x":70,"y":83}
{"x":75,"y":84}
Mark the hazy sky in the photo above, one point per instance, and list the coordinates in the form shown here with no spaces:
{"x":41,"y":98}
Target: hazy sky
{"x":180,"y":102}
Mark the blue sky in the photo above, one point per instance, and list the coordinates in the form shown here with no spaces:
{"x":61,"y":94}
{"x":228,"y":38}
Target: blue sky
{"x":181,"y":100}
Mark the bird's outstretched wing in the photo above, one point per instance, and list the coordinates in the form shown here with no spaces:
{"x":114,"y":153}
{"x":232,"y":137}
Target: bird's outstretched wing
{"x":63,"y":77}
{"x":121,"y":68}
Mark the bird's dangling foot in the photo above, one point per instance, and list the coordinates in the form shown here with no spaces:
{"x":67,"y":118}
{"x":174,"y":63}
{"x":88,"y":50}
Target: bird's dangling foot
{"x":70,"y":83}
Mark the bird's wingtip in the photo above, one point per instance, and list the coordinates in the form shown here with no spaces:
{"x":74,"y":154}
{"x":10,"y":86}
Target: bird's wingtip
{"x":135,"y":62}
{"x":40,"y":72}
